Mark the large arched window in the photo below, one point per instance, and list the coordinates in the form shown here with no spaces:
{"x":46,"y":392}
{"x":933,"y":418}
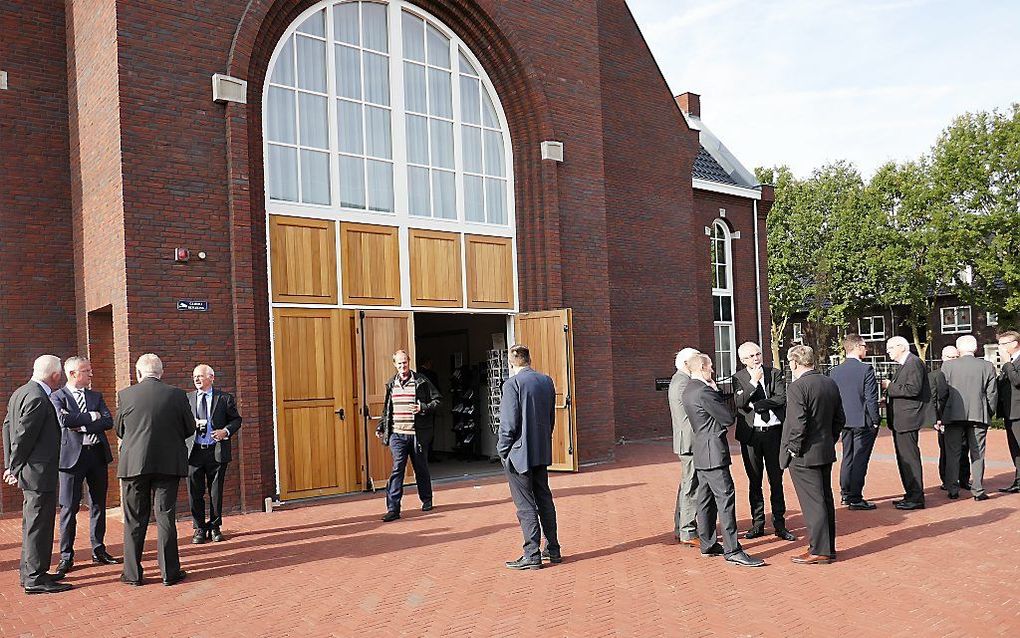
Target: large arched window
{"x":722,"y":299}
{"x":377,"y":108}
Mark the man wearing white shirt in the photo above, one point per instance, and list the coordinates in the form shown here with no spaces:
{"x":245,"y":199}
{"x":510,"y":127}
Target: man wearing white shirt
{"x":760,"y":397}
{"x":1009,"y":399}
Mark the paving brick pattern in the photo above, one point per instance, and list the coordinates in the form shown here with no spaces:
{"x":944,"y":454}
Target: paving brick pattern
{"x":333,"y":569}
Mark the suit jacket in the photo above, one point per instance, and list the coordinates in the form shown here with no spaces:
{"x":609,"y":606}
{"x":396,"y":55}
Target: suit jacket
{"x":527,"y":415}
{"x":939,"y":392}
{"x":72,"y":419}
{"x":751,"y":400}
{"x":710,"y":415}
{"x":222,"y":415}
{"x":153,"y":421}
{"x":1009,"y":390}
{"x":683,"y":435}
{"x":909,"y":393}
{"x":31,"y":434}
{"x":424,"y":422}
{"x":858,"y":391}
{"x":971,"y":391}
{"x":814,"y":420}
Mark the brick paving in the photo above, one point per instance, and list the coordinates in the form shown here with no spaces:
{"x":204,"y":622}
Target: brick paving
{"x":334,"y":569}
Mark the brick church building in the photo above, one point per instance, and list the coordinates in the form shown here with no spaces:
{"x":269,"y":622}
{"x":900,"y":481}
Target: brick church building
{"x":290,"y":190}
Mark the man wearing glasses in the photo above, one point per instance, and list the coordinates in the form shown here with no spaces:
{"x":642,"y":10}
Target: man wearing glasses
{"x":1009,"y":398}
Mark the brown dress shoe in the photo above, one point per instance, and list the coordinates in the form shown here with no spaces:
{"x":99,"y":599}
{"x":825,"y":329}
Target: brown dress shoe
{"x":689,"y":542}
{"x":808,"y":558}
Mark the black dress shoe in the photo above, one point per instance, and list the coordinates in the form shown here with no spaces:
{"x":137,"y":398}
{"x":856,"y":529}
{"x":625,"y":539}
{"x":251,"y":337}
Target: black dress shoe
{"x":552,"y":557}
{"x":714,"y":550}
{"x":981,"y":497}
{"x":943,"y":488}
{"x":844,"y":501}
{"x":47,"y":587}
{"x":390,"y":516}
{"x":176,"y":578}
{"x":133,"y":583}
{"x":754,"y":532}
{"x":217,"y":535}
{"x":954,"y":495}
{"x":524,"y":563}
{"x":862,"y":505}
{"x":65,"y":565}
{"x":966,"y":485}
{"x":908,"y":505}
{"x":1012,"y":489}
{"x":199,"y":537}
{"x":51,"y":577}
{"x":785,"y":534}
{"x":741,"y":558}
{"x":426,"y":506}
{"x":102,"y":557}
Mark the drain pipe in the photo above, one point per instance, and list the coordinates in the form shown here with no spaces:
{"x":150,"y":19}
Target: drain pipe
{"x":757,"y":274}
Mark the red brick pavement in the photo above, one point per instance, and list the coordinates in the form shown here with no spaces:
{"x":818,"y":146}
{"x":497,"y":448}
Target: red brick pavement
{"x":334,"y":569}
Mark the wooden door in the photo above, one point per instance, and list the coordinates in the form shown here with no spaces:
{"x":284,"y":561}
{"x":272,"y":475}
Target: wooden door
{"x":548,"y":336}
{"x":316,"y":426}
{"x":381,"y":333}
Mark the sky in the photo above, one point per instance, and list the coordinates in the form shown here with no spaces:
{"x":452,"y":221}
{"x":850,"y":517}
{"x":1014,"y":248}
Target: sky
{"x":806,"y":82}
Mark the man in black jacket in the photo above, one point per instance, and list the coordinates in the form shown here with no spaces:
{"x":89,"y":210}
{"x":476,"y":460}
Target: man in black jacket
{"x":910,"y":409}
{"x":406,"y":427}
{"x":814,"y":420}
{"x":1009,"y":399}
{"x":761,"y":406}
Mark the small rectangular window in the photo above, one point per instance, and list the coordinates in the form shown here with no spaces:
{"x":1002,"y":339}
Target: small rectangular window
{"x":992,"y":319}
{"x":798,"y":333}
{"x":872,"y":328}
{"x":956,"y":319}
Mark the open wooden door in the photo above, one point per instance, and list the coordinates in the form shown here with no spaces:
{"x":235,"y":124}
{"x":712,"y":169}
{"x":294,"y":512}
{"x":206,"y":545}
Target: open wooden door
{"x":316,"y":435}
{"x":380,"y":334}
{"x":548,"y":335}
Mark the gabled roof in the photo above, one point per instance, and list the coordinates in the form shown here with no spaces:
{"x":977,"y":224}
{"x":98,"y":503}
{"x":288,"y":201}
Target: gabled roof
{"x":715,"y":162}
{"x":705,"y":167}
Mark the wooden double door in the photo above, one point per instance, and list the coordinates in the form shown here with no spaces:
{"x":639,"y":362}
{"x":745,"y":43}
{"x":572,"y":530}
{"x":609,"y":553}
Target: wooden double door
{"x":330,"y":368}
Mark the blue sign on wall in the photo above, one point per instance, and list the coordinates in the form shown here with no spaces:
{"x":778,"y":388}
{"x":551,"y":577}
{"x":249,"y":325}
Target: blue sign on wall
{"x":194,"y":305}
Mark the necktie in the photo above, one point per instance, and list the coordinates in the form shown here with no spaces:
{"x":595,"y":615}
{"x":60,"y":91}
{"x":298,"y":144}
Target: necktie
{"x":79,"y":396}
{"x":203,"y":411}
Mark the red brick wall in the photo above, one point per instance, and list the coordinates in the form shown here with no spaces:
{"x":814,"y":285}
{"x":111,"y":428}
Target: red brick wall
{"x":36,"y":264}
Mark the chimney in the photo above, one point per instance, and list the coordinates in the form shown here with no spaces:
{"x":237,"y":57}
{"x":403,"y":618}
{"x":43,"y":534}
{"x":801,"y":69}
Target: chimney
{"x":690,"y":103}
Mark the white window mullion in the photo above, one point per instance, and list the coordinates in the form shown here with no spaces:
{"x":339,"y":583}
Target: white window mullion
{"x":398,"y":110}
{"x":331,"y":111}
{"x":458,"y":165}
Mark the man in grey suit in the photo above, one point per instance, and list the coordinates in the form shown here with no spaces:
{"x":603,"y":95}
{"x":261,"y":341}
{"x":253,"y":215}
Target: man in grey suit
{"x":1009,"y":399}
{"x":858,"y":391}
{"x":970,"y":396}
{"x":685,"y":527}
{"x":153,"y":420}
{"x":910,"y":409}
{"x":710,"y":416}
{"x":31,"y":434}
{"x":527,"y":414}
{"x":814,"y":420}
{"x":939,"y":393}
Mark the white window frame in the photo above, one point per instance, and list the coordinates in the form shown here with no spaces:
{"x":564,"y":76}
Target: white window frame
{"x":957,"y":327}
{"x":727,"y":294}
{"x":991,"y":319}
{"x":798,"y":332}
{"x":871,"y":334}
{"x":992,"y":353}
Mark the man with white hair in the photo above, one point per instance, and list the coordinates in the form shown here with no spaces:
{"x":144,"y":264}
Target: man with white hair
{"x":31,"y":434}
{"x":970,"y":397}
{"x":909,"y":401}
{"x":685,"y":527}
{"x":939,"y":391}
{"x":153,"y":420}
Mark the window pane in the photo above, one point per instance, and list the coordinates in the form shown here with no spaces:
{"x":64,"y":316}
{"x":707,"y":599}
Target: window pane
{"x":349,"y":120}
{"x":716,"y":308}
{"x":377,"y":79}
{"x":311,"y":64}
{"x":964,"y":317}
{"x":348,"y":72}
{"x":494,"y":164}
{"x":283,"y":70}
{"x":373,"y":17}
{"x":283,"y":171}
{"x":472,"y":143}
{"x":352,"y":182}
{"x":440,"y":93}
{"x":414,"y":87}
{"x":489,"y":112}
{"x":413,"y":29}
{"x":417,"y":139}
{"x":377,"y":132}
{"x":466,"y":66}
{"x":345,"y":22}
{"x":442,"y":143}
{"x":280,"y":123}
{"x":727,"y":308}
{"x":380,"y":186}
{"x":495,"y":200}
{"x":444,"y":198}
{"x":947,"y":317}
{"x":470,"y":101}
{"x":314,"y":131}
{"x":418,"y":191}
{"x":474,"y":199}
{"x":314,"y":177}
{"x":439,"y":48}
{"x":314,"y":25}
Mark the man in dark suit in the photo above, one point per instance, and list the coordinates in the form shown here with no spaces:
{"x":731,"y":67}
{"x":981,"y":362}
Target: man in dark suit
{"x":939,"y":393}
{"x":217,"y":420}
{"x":84,"y":457}
{"x":1009,"y":399}
{"x":814,"y":420}
{"x":970,"y":397}
{"x":858,"y":391}
{"x":527,"y":415}
{"x":761,"y":405}
{"x":685,"y":526}
{"x":153,"y":420}
{"x":710,"y":416}
{"x":31,"y":437}
{"x":910,"y":409}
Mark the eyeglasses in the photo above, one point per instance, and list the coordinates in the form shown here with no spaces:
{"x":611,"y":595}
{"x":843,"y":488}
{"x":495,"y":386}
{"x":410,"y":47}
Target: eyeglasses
{"x":1006,"y":343}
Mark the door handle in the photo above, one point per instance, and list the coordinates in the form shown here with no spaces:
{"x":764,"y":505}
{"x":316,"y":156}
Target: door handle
{"x":340,"y":413}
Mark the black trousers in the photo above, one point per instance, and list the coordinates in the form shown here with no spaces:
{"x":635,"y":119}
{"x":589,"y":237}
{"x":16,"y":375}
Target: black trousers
{"x":965,"y":448}
{"x":716,"y":500}
{"x":38,"y":514}
{"x":908,"y":460}
{"x":761,"y":455}
{"x":857,"y":446}
{"x":1013,"y":439}
{"x":402,"y":447}
{"x":89,"y":470}
{"x":139,"y":495}
{"x":205,"y":474}
{"x":535,"y":510}
{"x":814,"y":491}
{"x":962,"y":460}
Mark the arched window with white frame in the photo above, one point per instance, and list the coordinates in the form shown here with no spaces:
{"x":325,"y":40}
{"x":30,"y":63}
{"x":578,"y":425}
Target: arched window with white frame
{"x":722,"y":300}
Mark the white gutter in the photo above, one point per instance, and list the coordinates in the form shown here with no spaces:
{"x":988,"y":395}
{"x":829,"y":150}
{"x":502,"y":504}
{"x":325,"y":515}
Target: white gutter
{"x":715,"y":187}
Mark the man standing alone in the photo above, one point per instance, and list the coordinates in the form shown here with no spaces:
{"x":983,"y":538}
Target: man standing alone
{"x":858,"y":392}
{"x":685,"y":527}
{"x":909,"y":396}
